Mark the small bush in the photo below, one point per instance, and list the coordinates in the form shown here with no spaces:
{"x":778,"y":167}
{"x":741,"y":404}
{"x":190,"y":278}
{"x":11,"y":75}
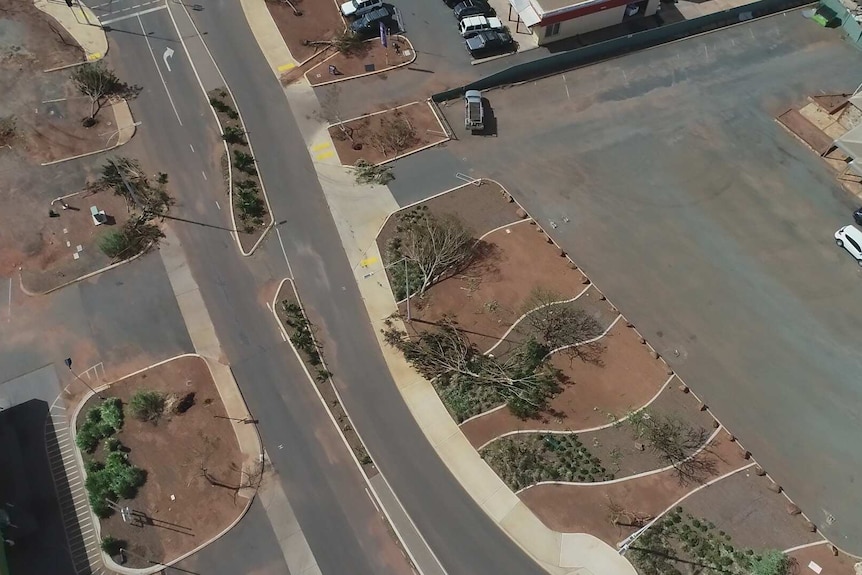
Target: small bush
{"x":107,"y":482}
{"x":112,"y":545}
{"x":100,"y":422}
{"x":244,"y":162}
{"x":113,"y":444}
{"x":234,"y":135}
{"x":368,"y":173}
{"x":8,"y":130}
{"x":147,"y":405}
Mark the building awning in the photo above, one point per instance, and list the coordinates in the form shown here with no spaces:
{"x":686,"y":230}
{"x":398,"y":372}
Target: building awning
{"x":851,"y":144}
{"x":526,"y":12}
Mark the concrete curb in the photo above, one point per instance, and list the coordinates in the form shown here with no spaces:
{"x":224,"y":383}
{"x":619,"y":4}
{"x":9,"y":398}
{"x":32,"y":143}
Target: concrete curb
{"x":377,"y":501}
{"x":79,"y":459}
{"x":124,"y":134}
{"x":89,"y":36}
{"x":567,"y":431}
{"x":364,"y":74}
{"x":444,"y":139}
{"x":87,"y":276}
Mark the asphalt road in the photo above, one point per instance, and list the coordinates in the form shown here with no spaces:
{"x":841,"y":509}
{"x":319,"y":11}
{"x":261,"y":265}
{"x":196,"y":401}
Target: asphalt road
{"x":323,"y":485}
{"x":711,"y":228}
{"x":463,"y":538}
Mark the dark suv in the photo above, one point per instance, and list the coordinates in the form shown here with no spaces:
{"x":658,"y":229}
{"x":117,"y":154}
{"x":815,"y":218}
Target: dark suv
{"x":471,"y":8}
{"x":369,"y":22}
{"x":489,"y":42}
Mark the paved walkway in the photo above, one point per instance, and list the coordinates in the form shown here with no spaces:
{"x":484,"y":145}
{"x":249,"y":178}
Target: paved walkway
{"x":359,"y":211}
{"x":80,"y":22}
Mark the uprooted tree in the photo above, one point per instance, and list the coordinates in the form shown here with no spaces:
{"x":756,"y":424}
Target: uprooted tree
{"x":98,"y":83}
{"x":146,"y":200}
{"x":676,"y":443}
{"x":562,"y":326}
{"x":433,"y":247}
{"x":394,"y":135}
{"x":523,"y":380}
{"x":620,"y":515}
{"x":250,"y":476}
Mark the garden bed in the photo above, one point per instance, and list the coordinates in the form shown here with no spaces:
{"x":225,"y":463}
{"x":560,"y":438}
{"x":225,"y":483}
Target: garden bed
{"x":483,"y":207}
{"x":301,"y":334}
{"x":250,"y":212}
{"x":487,"y":299}
{"x":69,"y":246}
{"x":177,"y":509}
{"x":595,"y":393}
{"x":822,"y":557}
{"x":584,"y":508}
{"x":320,"y":22}
{"x":744,"y":507}
{"x":370,"y":58}
{"x":387,"y":135}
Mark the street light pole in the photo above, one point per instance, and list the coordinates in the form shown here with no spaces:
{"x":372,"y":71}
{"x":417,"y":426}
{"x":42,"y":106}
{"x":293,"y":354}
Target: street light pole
{"x":407,"y":288}
{"x":69,"y":365}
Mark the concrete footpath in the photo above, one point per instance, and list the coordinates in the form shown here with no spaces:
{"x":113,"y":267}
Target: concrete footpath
{"x":81,"y":23}
{"x":359,"y":211}
{"x":294,"y":546}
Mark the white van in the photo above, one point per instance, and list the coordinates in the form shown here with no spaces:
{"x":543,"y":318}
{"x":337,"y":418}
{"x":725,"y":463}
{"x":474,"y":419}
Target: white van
{"x":474,"y":24}
{"x":352,"y":7}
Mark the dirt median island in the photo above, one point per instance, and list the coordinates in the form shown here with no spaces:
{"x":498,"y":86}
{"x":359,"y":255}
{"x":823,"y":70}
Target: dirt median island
{"x":177,"y":509}
{"x":372,"y":57}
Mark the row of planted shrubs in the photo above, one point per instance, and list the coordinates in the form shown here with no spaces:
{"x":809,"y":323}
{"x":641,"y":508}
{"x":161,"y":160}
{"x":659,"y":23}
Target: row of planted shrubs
{"x":115,"y":477}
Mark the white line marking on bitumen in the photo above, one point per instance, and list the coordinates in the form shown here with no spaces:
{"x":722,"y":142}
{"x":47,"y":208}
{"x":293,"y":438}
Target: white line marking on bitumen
{"x":127,"y":16}
{"x":156,"y":63}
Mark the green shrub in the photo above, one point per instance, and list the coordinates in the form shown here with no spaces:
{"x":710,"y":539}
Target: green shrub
{"x":101,"y":421}
{"x":244,"y":162}
{"x":234,"y":135}
{"x":107,"y":482}
{"x":113,"y":444}
{"x":147,"y":405}
{"x":112,"y":545}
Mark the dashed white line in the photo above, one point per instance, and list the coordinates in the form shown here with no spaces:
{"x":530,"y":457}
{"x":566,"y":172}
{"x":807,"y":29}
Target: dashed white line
{"x":217,"y":205}
{"x":192,"y":147}
{"x":283,"y":252}
{"x":204,"y":175}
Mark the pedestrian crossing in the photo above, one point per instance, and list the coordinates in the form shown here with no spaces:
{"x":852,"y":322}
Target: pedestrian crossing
{"x":68,"y":479}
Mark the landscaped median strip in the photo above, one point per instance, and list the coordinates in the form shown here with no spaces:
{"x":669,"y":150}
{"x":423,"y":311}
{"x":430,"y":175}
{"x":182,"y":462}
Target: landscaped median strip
{"x":298,"y":332}
{"x":248,"y":200}
{"x":151,"y":405}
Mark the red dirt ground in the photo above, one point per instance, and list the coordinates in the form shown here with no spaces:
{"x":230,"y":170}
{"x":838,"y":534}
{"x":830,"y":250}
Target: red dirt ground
{"x":743,"y":506}
{"x":171,"y":453}
{"x":47,"y":42}
{"x":365,"y":130}
{"x":582,"y":509}
{"x":320,"y":21}
{"x":52,"y":263}
{"x":482,"y":208}
{"x":486,"y":303}
{"x":627,"y":378}
{"x":820,"y":554}
{"x":349,"y":65}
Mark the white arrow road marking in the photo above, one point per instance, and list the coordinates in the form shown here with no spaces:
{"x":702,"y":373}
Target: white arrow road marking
{"x":168,"y":53}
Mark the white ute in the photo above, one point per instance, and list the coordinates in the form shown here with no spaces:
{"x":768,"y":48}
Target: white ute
{"x":474,"y":24}
{"x":354,"y":6}
{"x":850,"y":238}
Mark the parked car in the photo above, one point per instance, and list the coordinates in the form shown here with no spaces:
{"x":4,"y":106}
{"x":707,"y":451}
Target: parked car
{"x":358,"y":7}
{"x":489,"y":42}
{"x":472,"y":25}
{"x":369,"y":23}
{"x":857,"y":216}
{"x":472,"y":8}
{"x":474,"y":111}
{"x":452,"y":3}
{"x":850,"y":238}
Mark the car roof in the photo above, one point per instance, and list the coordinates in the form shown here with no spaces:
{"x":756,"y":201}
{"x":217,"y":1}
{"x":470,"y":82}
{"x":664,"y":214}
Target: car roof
{"x":853,"y":232}
{"x":474,"y":21}
{"x":376,"y":13}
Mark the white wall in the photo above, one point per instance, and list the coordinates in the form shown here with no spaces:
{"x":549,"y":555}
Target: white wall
{"x":588,"y":23}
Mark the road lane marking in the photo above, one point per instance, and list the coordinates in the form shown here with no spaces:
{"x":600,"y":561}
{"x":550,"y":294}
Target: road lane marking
{"x":368,"y":261}
{"x":135,"y":15}
{"x":283,"y":252}
{"x":192,"y":148}
{"x":204,"y":174}
{"x":217,"y":205}
{"x":325,"y":155}
{"x":156,"y":64}
{"x":319,"y":147}
{"x":286,"y":67}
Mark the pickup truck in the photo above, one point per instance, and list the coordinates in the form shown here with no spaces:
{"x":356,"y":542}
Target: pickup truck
{"x":474,"y":112}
